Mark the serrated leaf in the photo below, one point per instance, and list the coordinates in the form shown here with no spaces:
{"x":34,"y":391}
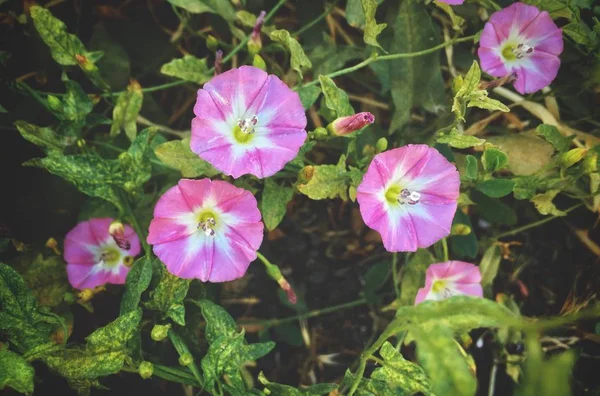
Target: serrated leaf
{"x":20,"y":319}
{"x":496,"y":188}
{"x":285,"y":390}
{"x":471,"y":168}
{"x":169,"y":295}
{"x":415,"y":81}
{"x":308,"y":95}
{"x":15,"y":372}
{"x":336,"y":99}
{"x":273,"y":203}
{"x":104,"y":353}
{"x":177,"y":154}
{"x":222,"y":8}
{"x":553,"y":136}
{"x":326,"y":181}
{"x":372,"y":28}
{"x":488,"y":266}
{"x":493,"y":160}
{"x":460,"y":141}
{"x":138,"y":280}
{"x":188,"y":68}
{"x":41,"y":136}
{"x":543,"y":203}
{"x":413,"y":276}
{"x":126,"y":111}
{"x":63,"y":46}
{"x":299,"y":60}
{"x":451,"y":375}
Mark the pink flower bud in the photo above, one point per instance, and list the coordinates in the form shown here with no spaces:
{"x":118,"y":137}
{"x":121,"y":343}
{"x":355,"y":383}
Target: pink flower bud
{"x":255,"y":42}
{"x":218,"y":62}
{"x":345,"y":125}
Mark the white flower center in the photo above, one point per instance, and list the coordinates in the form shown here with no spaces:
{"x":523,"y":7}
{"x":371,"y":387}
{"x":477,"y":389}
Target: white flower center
{"x":522,"y":50}
{"x":408,"y":197}
{"x":208,"y":226}
{"x":247,"y":125}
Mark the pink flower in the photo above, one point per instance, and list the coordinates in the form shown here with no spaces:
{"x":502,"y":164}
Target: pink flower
{"x":206,"y":229}
{"x":247,"y":122}
{"x":522,"y":40}
{"x":452,"y":278}
{"x":409,"y":196}
{"x":346,"y":125}
{"x":95,"y":257}
{"x":452,"y":2}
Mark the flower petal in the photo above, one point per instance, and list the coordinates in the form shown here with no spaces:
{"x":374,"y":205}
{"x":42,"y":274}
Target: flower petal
{"x":540,"y":70}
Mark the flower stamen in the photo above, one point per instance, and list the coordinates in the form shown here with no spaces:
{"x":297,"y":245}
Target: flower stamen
{"x":208,"y":226}
{"x":408,"y":197}
{"x":247,"y":125}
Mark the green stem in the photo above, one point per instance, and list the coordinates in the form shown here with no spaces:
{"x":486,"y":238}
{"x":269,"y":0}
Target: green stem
{"x":35,"y":95}
{"x":311,"y":314}
{"x":169,"y":374}
{"x":445,"y":248}
{"x":370,"y":60}
{"x":395,"y":275}
{"x":183,"y":349}
{"x":135,"y":224}
{"x":315,"y":21}
{"x":534,"y":224}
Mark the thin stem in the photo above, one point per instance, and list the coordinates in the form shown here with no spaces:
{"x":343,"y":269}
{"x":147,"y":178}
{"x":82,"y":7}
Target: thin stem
{"x":147,"y":122}
{"x":311,"y":314}
{"x":370,"y":60}
{"x":534,"y":224}
{"x":168,"y":373}
{"x":445,"y":248}
{"x":395,"y":275}
{"x":182,"y":349}
{"x":135,"y":223}
{"x":493,"y":373}
{"x":315,"y":21}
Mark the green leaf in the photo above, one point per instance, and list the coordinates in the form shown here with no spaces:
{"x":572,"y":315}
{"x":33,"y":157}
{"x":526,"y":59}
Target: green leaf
{"x":285,"y":390}
{"x":489,"y":264}
{"x":218,"y":321}
{"x":471,"y":168}
{"x":299,"y":60}
{"x":188,"y":68}
{"x":138,"y":280}
{"x":308,"y":95}
{"x":552,"y":135}
{"x":493,"y":210}
{"x":15,"y":372}
{"x":104,"y":353}
{"x":415,"y":81}
{"x":413,"y":276}
{"x":325,"y":181}
{"x":451,"y":375}
{"x":372,"y":29}
{"x":46,"y":277}
{"x":222,"y":8}
{"x":527,"y":153}
{"x":543,"y":203}
{"x":76,"y":103}
{"x":169,"y":295}
{"x":493,"y":160}
{"x":463,"y":245}
{"x":460,"y":141}
{"x":273,"y":203}
{"x":3,"y":110}
{"x":63,"y":46}
{"x":457,"y":21}
{"x":126,"y":111}
{"x":496,"y":188}
{"x":42,"y":136}
{"x":375,"y":277}
{"x":336,"y":99}
{"x":20,"y":318}
{"x":176,"y":154}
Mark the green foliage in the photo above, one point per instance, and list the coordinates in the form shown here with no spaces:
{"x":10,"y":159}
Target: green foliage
{"x":273,"y":203}
{"x":328,"y":181}
{"x":489,"y":265}
{"x":543,"y":203}
{"x":471,"y":168}
{"x":552,"y":135}
{"x":413,"y":276}
{"x":372,"y":28}
{"x":299,"y":60}
{"x":188,"y":68}
{"x":45,"y":276}
{"x":493,"y":160}
{"x":15,"y":372}
{"x":336,"y":99}
{"x":126,"y":111}
{"x":285,"y":390}
{"x":308,"y":95}
{"x":138,"y":280}
{"x":458,"y":140}
{"x":177,"y":154}
{"x":496,"y":188}
{"x":168,"y":297}
{"x":221,"y":8}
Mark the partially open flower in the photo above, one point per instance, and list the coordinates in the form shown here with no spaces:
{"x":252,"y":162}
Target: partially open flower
{"x":247,"y":122}
{"x":206,"y":229}
{"x":255,"y":42}
{"x":409,"y":195}
{"x":94,"y":257}
{"x":346,"y":125}
{"x":524,"y":41}
{"x":452,"y":278}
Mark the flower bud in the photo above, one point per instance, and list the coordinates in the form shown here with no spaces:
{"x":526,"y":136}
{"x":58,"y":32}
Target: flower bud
{"x":590,"y":162}
{"x":381,"y":145}
{"x":54,"y":103}
{"x":117,"y":231}
{"x":319,"y":134}
{"x":160,"y":332}
{"x":146,"y":369}
{"x":212,"y":43}
{"x":571,"y":157}
{"x":345,"y":125}
{"x":259,"y":62}
{"x":218,"y":62}
{"x":255,"y":42}
{"x":186,"y":359}
{"x":52,"y":244}
{"x":125,"y":160}
{"x":85,"y":63}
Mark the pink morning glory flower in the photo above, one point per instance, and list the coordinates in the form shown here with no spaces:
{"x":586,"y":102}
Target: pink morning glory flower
{"x":96,"y":256}
{"x":206,"y":229}
{"x":452,"y":2}
{"x":452,"y":278}
{"x":346,"y":125}
{"x":409,"y":196}
{"x":247,"y":122}
{"x":524,"y":41}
